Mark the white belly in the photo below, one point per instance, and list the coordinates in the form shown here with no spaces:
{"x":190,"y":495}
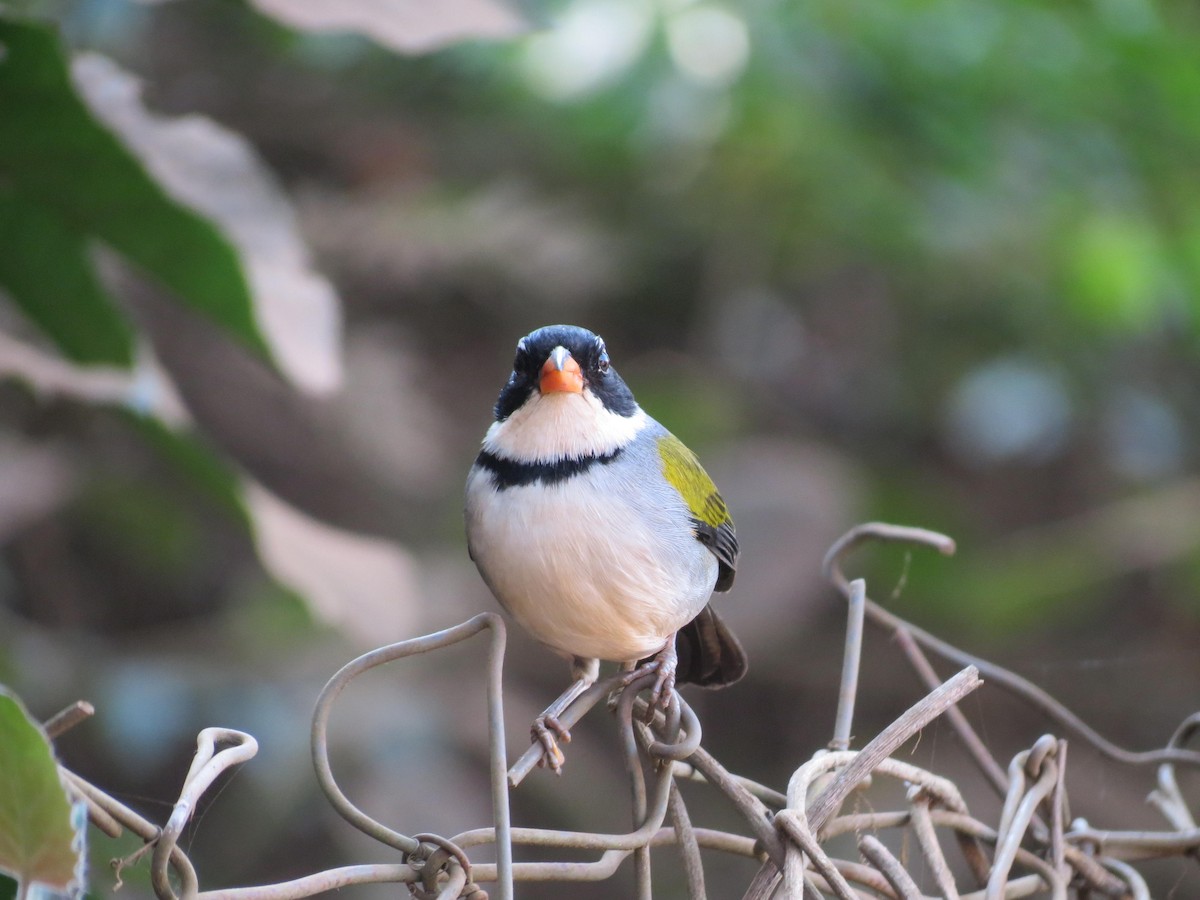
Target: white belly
{"x":582,"y":572}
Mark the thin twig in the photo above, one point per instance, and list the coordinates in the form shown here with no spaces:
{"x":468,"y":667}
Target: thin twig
{"x":528,"y":761}
{"x":1059,"y":812}
{"x":497,"y":755}
{"x":955,"y":716}
{"x":66,"y":719}
{"x":143,"y":828}
{"x":1106,"y":883}
{"x":1137,"y":885}
{"x":848,"y":688}
{"x":319,"y":883}
{"x":797,"y":829}
{"x":689,"y":848}
{"x":928,"y":842}
{"x":1167,"y":797}
{"x":879,"y":856}
{"x":775,"y":798}
{"x":757,"y":816}
{"x":998,"y":675}
{"x":207,"y":765}
{"x":637,"y":782}
{"x":1138,"y":844}
{"x":1013,"y":830}
{"x":97,"y":814}
{"x":887,"y":741}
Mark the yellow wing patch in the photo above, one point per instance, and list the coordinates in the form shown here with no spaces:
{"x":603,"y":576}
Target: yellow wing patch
{"x":687,"y":476}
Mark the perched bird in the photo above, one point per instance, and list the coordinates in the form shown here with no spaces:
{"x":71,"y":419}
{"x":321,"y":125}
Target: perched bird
{"x":597,"y":529}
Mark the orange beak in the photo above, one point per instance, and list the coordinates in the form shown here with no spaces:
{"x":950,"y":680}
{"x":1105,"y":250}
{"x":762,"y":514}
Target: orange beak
{"x":560,"y":374}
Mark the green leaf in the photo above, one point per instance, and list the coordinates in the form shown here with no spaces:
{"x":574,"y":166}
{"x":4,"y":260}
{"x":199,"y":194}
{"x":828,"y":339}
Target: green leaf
{"x":45,"y":268}
{"x":197,"y":461}
{"x":56,"y":154}
{"x":1115,"y":272}
{"x":35,"y":817}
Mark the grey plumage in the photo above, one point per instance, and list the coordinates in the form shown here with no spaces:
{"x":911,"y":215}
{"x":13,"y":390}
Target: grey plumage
{"x":627,"y":573}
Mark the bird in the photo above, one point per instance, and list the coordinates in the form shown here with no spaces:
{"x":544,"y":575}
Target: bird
{"x":598,"y":530}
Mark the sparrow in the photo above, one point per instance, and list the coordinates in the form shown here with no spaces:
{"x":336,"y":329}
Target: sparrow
{"x":597,"y":530}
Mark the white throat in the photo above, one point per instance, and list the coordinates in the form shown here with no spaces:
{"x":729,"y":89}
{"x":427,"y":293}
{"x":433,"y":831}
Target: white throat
{"x":550,"y":427}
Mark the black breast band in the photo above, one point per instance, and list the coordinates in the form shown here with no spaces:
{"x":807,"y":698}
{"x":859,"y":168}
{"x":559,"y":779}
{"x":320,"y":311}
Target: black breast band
{"x":508,"y":473}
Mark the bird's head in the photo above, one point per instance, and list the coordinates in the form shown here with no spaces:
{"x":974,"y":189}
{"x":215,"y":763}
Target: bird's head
{"x":562,"y":363}
{"x":563,"y":399}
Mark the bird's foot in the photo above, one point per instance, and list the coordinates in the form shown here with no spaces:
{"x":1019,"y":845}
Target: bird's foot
{"x":548,"y":731}
{"x":664,"y":664}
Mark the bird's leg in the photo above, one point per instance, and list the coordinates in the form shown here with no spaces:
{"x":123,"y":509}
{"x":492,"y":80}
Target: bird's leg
{"x":664,"y":662}
{"x":547,"y":730}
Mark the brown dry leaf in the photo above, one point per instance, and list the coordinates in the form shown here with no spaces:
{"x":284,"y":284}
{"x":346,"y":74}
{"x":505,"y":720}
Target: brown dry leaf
{"x":215,"y":172}
{"x":365,"y":586}
{"x":406,"y":26}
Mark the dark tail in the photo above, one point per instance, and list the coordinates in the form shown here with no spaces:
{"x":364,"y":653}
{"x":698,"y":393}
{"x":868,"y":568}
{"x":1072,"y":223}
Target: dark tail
{"x":709,"y":654}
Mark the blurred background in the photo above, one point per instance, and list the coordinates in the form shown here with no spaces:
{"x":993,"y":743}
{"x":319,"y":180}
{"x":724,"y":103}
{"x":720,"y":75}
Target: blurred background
{"x":930,"y":262}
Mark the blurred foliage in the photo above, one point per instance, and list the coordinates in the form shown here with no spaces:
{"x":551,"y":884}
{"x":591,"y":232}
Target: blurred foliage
{"x":70,"y":178}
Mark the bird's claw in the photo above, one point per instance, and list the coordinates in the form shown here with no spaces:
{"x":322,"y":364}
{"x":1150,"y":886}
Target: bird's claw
{"x":548,"y":731}
{"x":663,"y":664}
{"x":662,"y":692}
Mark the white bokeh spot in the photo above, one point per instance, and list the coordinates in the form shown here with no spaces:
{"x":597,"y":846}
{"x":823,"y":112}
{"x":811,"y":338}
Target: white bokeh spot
{"x":709,"y":44}
{"x":591,"y":46}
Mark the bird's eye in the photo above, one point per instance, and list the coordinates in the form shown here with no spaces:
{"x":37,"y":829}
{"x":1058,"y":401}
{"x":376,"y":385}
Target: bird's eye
{"x":602,"y":363}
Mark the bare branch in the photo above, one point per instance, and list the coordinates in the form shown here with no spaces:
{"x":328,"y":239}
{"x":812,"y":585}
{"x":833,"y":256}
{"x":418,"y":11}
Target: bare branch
{"x":887,"y":742}
{"x":788,"y":833}
{"x":64,"y":720}
{"x":998,"y":675}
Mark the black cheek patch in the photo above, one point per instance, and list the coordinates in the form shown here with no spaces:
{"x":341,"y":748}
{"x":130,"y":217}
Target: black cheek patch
{"x":613,"y":393}
{"x":513,"y":396}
